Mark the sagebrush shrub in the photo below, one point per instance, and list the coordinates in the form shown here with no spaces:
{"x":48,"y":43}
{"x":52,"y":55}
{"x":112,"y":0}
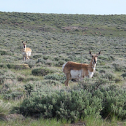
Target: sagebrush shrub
{"x":17,"y":67}
{"x":114,"y":103}
{"x":37,"y":56}
{"x":13,"y":95}
{"x":69,"y":105}
{"x":52,"y":82}
{"x":119,"y":67}
{"x":59,"y":63}
{"x":41,"y":71}
{"x":29,"y":88}
{"x":41,"y":60}
{"x":31,"y":63}
{"x":58,"y":77}
{"x":76,"y":104}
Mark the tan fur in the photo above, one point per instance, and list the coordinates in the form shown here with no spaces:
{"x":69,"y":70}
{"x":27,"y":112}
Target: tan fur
{"x":26,"y":52}
{"x":85,"y":68}
{"x":28,"y":49}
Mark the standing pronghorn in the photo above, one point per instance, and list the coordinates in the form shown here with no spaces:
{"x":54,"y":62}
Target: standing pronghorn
{"x":26,"y":51}
{"x":78,"y":71}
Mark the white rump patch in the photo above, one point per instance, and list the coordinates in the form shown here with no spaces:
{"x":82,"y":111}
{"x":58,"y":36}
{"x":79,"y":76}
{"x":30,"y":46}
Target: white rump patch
{"x":64,"y":65}
{"x":75,"y":74}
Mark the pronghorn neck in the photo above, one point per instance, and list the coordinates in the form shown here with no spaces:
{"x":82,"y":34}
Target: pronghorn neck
{"x":92,"y":66}
{"x":24,"y":47}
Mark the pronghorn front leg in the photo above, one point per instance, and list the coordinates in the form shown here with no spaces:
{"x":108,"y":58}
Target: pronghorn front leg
{"x":27,"y":57}
{"x":67,"y":79}
{"x":24,"y":58}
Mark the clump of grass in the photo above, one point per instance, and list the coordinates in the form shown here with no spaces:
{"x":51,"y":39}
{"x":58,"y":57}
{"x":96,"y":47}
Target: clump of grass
{"x":32,"y":122}
{"x":97,"y":121}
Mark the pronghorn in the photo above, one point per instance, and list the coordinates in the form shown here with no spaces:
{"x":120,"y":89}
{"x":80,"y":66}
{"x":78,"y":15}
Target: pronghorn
{"x":78,"y":71}
{"x":26,"y":51}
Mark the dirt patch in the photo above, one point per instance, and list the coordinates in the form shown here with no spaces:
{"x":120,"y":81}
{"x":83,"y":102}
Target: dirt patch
{"x":14,"y":117}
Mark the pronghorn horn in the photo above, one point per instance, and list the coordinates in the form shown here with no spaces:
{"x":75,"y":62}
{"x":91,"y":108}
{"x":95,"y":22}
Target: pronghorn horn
{"x":26,"y":41}
{"x":22,"y":42}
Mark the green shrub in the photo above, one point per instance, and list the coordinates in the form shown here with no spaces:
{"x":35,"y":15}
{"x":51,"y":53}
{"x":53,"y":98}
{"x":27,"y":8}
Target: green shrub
{"x":58,"y":77}
{"x":2,"y":80}
{"x":123,"y":75}
{"x":3,"y":65}
{"x":41,"y":71}
{"x":13,"y":95}
{"x":60,"y":63}
{"x":41,"y":60}
{"x":49,"y":62}
{"x":51,"y":82}
{"x":31,"y":63}
{"x":62,"y":105}
{"x":4,"y":52}
{"x":118,"y":79}
{"x":119,"y":67}
{"x":56,"y":58}
{"x":20,"y":78}
{"x":45,"y":57}
{"x":4,"y":75}
{"x":18,"y":67}
{"x":37,"y":56}
{"x":29,"y":88}
{"x":114,"y":103}
{"x":5,"y":89}
{"x":110,"y":76}
{"x":74,"y":104}
{"x":101,"y":81}
{"x":106,"y":58}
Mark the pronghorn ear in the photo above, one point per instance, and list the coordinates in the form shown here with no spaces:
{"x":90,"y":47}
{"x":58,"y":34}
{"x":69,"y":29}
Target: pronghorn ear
{"x":90,"y":52}
{"x":99,"y":53}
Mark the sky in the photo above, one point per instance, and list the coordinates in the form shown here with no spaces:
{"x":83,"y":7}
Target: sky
{"x":99,"y":7}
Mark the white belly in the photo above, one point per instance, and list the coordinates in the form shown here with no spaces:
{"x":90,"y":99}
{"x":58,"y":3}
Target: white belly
{"x":76,"y":74}
{"x":28,"y":53}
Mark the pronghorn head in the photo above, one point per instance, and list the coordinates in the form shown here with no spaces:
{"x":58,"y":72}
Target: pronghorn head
{"x":94,"y":57}
{"x":24,"y":44}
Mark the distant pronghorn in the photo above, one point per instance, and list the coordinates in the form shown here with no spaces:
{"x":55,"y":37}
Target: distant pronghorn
{"x":78,"y":71}
{"x":26,"y":51}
